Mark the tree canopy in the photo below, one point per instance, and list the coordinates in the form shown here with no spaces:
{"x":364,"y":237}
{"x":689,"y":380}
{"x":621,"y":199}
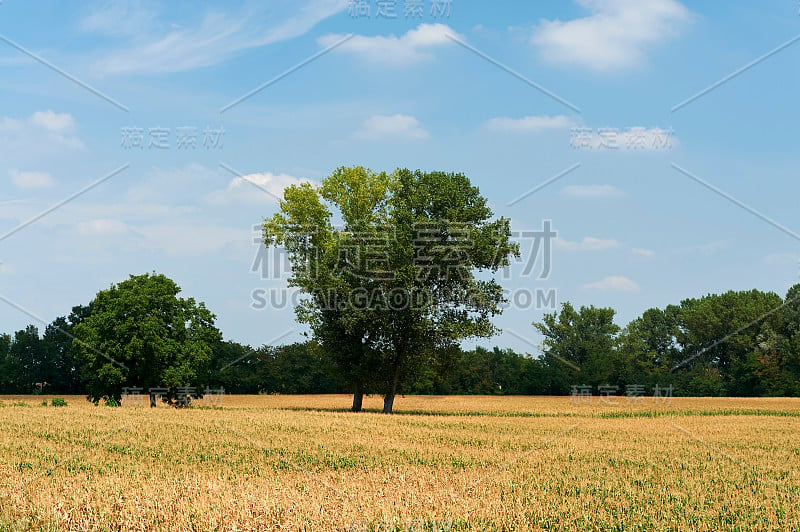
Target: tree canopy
{"x":141,"y":334}
{"x":394,"y":287}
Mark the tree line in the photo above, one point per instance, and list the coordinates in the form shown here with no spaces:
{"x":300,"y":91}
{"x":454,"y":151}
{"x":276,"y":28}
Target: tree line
{"x":389,"y":296}
{"x":740,"y":343}
{"x":744,"y":343}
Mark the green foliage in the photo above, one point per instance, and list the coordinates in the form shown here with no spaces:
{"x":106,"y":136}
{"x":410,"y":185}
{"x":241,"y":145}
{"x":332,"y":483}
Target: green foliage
{"x":721,"y":332}
{"x":58,"y":401}
{"x":63,"y":372}
{"x":140,"y":333}
{"x":580,"y":347}
{"x":737,"y":343}
{"x":411,"y":311}
{"x":29,"y":364}
{"x":485,"y":372}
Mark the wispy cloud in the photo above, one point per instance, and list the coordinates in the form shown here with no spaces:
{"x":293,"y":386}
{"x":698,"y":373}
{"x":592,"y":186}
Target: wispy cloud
{"x":711,"y":248}
{"x":592,"y":191}
{"x":124,"y":17}
{"x":412,"y":47}
{"x":107,"y":226}
{"x":214,"y":39}
{"x":587,"y":244}
{"x":641,"y":252}
{"x":402,"y":127}
{"x":30,"y":179}
{"x":613,"y":283}
{"x":614,"y":37}
{"x":67,"y":215}
{"x":530,"y":123}
{"x":782,"y":259}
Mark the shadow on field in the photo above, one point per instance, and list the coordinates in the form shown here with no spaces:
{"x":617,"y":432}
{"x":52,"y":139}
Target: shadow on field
{"x":426,"y":412}
{"x":601,"y":415}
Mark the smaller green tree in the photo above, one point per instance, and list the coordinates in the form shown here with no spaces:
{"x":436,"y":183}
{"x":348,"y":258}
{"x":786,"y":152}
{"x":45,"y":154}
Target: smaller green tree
{"x":649,"y":348}
{"x":579,"y":346}
{"x":9,"y":370}
{"x":28,"y":361}
{"x":723,"y":332}
{"x":141,"y":334}
{"x":63,"y":371}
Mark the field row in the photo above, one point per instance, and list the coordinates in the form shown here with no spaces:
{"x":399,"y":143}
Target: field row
{"x":272,"y":462}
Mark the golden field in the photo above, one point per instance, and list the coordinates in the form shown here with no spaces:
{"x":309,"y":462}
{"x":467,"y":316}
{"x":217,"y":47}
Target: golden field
{"x":439,"y":463}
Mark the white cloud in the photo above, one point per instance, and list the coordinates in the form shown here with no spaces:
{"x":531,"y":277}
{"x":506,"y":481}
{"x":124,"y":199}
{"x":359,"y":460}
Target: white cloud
{"x":592,"y":191}
{"x":614,"y":283}
{"x":41,"y":131}
{"x":378,"y":127}
{"x":30,"y":179}
{"x":587,"y":244}
{"x":216,"y":38}
{"x":641,"y":252}
{"x":6,"y":269}
{"x":412,"y":47}
{"x":53,"y":121}
{"x":256,"y":188}
{"x":106,"y":226}
{"x":530,"y":123}
{"x":709,"y":249}
{"x":614,"y":37}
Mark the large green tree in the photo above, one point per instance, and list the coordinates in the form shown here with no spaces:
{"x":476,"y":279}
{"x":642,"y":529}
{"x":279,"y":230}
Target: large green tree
{"x":444,"y":233}
{"x":395,"y":285}
{"x":328,"y":264}
{"x":141,"y":334}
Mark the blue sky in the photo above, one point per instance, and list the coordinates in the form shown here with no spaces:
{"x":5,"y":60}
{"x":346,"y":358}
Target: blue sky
{"x":511,"y":94}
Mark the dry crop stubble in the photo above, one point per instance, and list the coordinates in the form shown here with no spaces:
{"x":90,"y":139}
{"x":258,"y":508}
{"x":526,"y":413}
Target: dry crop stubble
{"x":522,"y":463}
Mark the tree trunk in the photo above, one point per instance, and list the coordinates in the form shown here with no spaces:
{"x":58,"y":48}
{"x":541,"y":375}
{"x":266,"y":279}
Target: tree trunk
{"x":388,"y":399}
{"x":388,"y":403}
{"x":358,"y":399}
